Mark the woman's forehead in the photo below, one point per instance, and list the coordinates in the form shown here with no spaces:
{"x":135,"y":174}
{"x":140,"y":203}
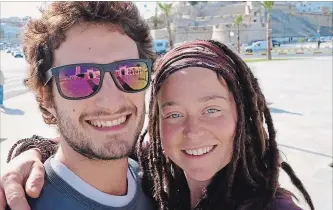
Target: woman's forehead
{"x":194,"y":77}
{"x":192,"y":82}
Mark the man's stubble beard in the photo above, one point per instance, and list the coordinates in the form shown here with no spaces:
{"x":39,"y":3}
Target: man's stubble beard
{"x":114,"y":149}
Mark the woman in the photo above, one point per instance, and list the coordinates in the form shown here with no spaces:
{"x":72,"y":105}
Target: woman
{"x":208,"y":147}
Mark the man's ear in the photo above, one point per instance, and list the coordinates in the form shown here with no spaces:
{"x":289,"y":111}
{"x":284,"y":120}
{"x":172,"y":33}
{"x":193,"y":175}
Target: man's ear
{"x":46,"y":101}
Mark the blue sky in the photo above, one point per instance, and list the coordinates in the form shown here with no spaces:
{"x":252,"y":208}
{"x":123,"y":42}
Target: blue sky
{"x":22,"y":9}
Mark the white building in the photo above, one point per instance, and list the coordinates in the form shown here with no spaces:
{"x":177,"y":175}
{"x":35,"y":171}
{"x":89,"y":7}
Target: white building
{"x":314,"y":7}
{"x":11,"y":29}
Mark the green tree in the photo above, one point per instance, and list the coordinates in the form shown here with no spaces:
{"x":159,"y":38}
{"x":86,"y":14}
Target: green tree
{"x":268,"y":6}
{"x":166,"y":9}
{"x":155,"y":19}
{"x":192,"y":3}
{"x":302,"y":40}
{"x":237,"y":22}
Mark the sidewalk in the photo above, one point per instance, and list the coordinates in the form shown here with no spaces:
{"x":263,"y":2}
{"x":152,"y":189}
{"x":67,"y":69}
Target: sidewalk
{"x":19,"y":119}
{"x":294,"y":51}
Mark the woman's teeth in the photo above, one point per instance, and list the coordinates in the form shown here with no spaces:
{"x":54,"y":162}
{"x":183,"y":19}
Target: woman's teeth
{"x":107,"y":124}
{"x":199,"y":151}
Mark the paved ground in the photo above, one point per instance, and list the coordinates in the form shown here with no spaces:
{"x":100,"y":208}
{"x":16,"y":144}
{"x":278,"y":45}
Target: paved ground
{"x":300,"y":95}
{"x":14,"y":71}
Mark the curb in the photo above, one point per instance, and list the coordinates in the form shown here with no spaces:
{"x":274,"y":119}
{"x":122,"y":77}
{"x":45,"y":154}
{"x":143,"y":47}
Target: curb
{"x":286,"y":53}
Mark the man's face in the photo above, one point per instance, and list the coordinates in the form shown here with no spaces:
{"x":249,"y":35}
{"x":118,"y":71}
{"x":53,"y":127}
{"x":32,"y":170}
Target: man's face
{"x":106,"y":125}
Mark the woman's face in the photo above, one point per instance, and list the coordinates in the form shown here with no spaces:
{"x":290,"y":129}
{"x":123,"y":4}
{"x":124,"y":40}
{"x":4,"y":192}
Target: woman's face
{"x":198,"y":119}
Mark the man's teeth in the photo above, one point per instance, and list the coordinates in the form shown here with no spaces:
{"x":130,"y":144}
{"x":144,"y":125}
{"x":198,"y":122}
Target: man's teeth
{"x":199,"y":151}
{"x":109,"y":123}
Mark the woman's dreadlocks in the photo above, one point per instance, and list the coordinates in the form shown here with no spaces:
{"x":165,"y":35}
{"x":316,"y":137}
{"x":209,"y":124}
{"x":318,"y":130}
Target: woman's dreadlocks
{"x":250,"y":180}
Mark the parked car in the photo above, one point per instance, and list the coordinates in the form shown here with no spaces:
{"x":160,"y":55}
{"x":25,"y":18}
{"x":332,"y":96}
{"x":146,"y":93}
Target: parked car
{"x":325,"y":38}
{"x":276,"y":43}
{"x":258,"y":46}
{"x":312,"y":39}
{"x":160,"y":46}
{"x":18,"y":54}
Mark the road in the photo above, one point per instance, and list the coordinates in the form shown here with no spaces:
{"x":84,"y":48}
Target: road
{"x":299,"y":93}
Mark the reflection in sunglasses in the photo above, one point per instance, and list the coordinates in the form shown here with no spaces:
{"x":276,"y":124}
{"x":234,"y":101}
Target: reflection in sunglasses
{"x":79,"y":82}
{"x":133,"y":77}
{"x":138,"y":71}
{"x":82,"y":81}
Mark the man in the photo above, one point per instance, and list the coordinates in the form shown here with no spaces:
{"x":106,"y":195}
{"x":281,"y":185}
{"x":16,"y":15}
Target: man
{"x":2,"y":83}
{"x":86,"y":64}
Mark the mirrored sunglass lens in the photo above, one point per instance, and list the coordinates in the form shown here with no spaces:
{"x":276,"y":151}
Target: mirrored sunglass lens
{"x":79,"y":81}
{"x":132,"y":75}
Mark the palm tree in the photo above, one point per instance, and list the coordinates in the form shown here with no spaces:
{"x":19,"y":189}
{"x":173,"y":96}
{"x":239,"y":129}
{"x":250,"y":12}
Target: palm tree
{"x":156,"y":21}
{"x":238,"y":21}
{"x":193,"y":3}
{"x":155,"y":18}
{"x":166,"y":9}
{"x":268,"y":6}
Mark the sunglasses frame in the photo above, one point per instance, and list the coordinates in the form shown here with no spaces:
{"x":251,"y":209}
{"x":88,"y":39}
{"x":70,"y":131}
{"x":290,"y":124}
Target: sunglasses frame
{"x":103,"y":68}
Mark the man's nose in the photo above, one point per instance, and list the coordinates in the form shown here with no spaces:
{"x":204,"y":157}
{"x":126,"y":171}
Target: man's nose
{"x":109,"y":96}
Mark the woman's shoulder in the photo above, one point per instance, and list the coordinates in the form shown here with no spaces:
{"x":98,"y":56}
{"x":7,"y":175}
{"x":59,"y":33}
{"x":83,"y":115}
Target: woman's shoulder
{"x":284,"y":202}
{"x":281,"y":201}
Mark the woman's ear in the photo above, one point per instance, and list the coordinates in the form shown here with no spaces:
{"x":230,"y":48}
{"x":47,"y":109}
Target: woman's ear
{"x":46,"y":100}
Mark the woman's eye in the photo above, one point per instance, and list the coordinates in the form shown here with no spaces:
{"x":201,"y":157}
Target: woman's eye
{"x":173,"y":116}
{"x":212,"y":110}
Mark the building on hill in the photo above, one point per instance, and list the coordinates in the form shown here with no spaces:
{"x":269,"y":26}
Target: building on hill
{"x":215,"y":20}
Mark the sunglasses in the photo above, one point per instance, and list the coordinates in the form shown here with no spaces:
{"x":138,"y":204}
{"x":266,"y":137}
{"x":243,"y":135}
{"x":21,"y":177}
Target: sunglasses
{"x":83,"y":80}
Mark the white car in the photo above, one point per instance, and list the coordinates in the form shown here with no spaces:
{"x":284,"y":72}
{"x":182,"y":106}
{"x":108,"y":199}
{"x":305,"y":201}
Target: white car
{"x":258,"y":46}
{"x":18,"y":54}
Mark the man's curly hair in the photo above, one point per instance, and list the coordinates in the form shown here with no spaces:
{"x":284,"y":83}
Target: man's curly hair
{"x":42,"y":36}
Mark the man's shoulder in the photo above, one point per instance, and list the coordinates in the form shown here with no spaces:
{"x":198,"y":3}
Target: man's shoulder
{"x":56,"y":194}
{"x":134,"y":165}
{"x":52,"y":199}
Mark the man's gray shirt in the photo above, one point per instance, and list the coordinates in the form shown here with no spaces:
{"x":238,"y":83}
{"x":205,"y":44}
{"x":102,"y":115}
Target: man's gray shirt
{"x":57,"y":194}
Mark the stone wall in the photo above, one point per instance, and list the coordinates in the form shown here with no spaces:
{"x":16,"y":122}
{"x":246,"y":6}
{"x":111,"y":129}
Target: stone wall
{"x":317,"y":19}
{"x":184,"y":34}
{"x":159,"y":34}
{"x":247,"y":33}
{"x":237,"y":8}
{"x":214,"y":20}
